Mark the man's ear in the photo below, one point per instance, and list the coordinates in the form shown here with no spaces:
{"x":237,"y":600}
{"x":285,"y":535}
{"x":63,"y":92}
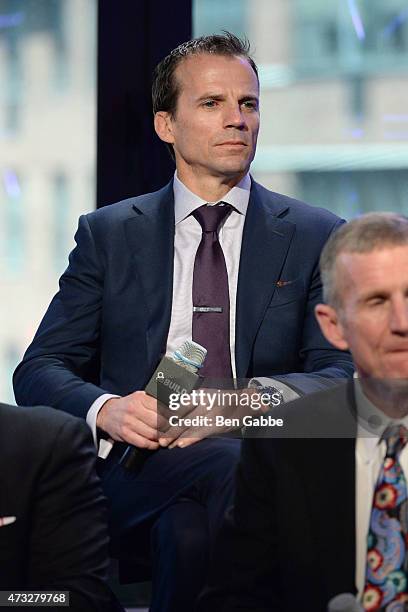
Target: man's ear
{"x":163,"y":126}
{"x":331,"y":326}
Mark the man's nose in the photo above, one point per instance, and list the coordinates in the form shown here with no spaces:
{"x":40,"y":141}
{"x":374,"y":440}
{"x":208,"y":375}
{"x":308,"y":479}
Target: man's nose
{"x":234,"y":117}
{"x":399,"y":315}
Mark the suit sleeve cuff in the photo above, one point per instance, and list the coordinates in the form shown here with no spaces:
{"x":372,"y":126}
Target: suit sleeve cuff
{"x":92,"y":413}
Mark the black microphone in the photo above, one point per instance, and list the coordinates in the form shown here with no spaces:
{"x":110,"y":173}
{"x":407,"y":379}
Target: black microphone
{"x":345,"y":602}
{"x":175,"y":374}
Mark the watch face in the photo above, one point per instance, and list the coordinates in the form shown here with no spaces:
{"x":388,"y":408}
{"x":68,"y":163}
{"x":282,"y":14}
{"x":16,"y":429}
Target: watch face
{"x":275,"y":396}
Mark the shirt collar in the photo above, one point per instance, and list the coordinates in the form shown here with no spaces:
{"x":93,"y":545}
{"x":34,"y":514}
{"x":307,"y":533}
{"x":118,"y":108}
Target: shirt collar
{"x":372,"y":422}
{"x":185,"y":201}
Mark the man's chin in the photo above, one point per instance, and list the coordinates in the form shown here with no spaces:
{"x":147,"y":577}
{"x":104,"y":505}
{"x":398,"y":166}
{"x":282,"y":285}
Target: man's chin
{"x":231,"y":169}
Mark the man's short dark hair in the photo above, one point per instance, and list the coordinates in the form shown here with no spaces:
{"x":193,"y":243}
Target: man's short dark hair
{"x":165,"y":89}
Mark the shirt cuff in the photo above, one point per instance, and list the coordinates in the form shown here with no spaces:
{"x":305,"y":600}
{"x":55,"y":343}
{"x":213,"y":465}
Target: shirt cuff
{"x":91,"y":416}
{"x":288,"y":393}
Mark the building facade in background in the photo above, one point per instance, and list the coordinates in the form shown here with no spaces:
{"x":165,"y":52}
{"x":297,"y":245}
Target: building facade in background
{"x":47,"y":156}
{"x":334,"y":91}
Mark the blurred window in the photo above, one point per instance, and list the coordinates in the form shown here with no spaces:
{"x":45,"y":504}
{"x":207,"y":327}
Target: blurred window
{"x":334,"y":86}
{"x":14,"y":225}
{"x":47,"y":156}
{"x":61,"y":209}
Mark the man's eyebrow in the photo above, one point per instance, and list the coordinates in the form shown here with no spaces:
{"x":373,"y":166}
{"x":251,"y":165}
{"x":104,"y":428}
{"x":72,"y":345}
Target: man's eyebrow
{"x":374,"y":293}
{"x":213,"y":96}
{"x":382,"y":292}
{"x":218,"y":96}
{"x":250,"y":98}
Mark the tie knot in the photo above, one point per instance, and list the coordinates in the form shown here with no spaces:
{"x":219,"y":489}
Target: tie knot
{"x":396,"y":437}
{"x":211,"y":217}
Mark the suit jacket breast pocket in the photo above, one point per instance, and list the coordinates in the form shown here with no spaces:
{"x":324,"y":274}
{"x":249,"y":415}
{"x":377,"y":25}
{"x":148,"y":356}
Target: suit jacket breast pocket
{"x":287,"y":291}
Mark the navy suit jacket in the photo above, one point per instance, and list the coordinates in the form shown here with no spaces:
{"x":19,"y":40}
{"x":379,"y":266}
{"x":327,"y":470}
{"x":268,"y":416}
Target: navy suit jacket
{"x":106,"y":329}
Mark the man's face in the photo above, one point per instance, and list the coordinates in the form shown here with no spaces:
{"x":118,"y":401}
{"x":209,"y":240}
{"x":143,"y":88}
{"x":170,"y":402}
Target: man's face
{"x":215,"y":126}
{"x":373,"y":318}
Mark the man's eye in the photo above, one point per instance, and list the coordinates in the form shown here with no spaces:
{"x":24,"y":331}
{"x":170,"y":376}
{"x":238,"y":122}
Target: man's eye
{"x":250,"y":104}
{"x":376,"y":301}
{"x":209,"y":103}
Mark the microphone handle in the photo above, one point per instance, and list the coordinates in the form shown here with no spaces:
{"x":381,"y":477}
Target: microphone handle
{"x":134,"y":458}
{"x":168,"y":378}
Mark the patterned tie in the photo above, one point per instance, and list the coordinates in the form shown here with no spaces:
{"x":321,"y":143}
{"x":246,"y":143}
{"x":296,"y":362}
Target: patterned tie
{"x":387,"y":564}
{"x":211,"y":295}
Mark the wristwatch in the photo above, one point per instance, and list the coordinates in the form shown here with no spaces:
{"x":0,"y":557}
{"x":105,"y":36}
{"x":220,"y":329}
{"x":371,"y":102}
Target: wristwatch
{"x":271,"y":396}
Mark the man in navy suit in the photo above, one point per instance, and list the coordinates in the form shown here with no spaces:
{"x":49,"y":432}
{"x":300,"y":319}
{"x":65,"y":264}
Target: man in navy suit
{"x":126,"y":299}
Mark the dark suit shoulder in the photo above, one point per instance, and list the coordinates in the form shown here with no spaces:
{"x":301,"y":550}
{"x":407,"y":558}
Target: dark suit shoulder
{"x":293,"y":209}
{"x":120,"y":211}
{"x":36,"y":416}
{"x":38,"y":427}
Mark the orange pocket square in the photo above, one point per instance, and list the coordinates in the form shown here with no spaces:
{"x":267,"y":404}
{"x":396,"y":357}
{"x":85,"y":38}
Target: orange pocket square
{"x":283,"y":283}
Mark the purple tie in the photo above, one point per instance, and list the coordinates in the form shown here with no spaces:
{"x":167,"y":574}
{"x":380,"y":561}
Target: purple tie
{"x":211,"y":295}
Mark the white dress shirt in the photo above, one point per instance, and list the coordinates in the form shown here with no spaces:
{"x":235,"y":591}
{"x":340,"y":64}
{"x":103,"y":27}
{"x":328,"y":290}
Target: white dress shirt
{"x":186,"y":241}
{"x":370,"y":453}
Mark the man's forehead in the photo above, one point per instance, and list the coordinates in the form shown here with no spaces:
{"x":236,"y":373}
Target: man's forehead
{"x":372,"y":267}
{"x":191,"y":65}
{"x":380,"y":254}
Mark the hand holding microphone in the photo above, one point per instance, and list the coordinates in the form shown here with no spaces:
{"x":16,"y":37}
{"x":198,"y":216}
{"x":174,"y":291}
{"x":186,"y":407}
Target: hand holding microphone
{"x":134,"y":418}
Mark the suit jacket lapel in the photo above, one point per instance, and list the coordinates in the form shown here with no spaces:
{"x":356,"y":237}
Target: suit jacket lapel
{"x":265,"y":243}
{"x":150,"y":238}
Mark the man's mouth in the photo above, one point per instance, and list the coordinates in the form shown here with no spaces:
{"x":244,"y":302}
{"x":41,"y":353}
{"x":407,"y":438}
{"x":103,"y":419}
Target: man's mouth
{"x":232,"y":143}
